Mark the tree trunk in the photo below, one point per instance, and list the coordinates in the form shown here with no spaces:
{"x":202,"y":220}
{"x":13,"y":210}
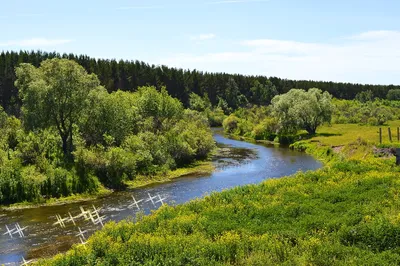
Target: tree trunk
{"x":311,"y":130}
{"x":64,"y":144}
{"x":67,"y":146}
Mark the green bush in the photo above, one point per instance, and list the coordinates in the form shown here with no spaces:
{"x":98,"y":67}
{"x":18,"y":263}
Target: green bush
{"x":376,"y":112}
{"x":216,"y":117}
{"x":230,"y":124}
{"x":373,"y":121}
{"x":266,"y":130}
{"x":286,"y":139}
{"x":377,"y":235}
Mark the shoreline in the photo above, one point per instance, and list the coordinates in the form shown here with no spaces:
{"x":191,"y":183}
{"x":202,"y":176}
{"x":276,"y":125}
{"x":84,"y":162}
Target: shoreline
{"x":197,"y":168}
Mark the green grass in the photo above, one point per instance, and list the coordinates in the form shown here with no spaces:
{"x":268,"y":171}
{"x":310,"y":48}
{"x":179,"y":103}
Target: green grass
{"x":59,"y":201}
{"x":346,"y":133}
{"x":347,"y":213}
{"x":199,"y":168}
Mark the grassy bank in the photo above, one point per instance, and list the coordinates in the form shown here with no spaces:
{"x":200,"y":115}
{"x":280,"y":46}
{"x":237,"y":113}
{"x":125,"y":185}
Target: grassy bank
{"x":346,"y":213}
{"x":102,"y":192}
{"x":197,"y":168}
{"x":200,"y":168}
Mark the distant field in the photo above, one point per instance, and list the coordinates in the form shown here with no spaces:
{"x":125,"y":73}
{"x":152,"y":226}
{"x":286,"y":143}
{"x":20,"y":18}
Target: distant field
{"x":341,"y":134}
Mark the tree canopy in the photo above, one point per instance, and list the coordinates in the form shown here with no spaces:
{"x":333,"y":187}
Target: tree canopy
{"x":262,"y":94}
{"x":54,"y":94}
{"x":393,"y":94}
{"x":300,"y":109}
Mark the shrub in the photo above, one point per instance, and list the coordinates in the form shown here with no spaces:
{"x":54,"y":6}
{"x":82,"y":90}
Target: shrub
{"x":266,"y":130}
{"x":230,"y":124}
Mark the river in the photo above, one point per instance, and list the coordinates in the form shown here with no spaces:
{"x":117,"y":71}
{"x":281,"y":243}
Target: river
{"x":239,"y":163}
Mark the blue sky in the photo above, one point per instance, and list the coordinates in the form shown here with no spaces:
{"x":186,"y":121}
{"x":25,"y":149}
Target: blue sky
{"x":337,"y":40}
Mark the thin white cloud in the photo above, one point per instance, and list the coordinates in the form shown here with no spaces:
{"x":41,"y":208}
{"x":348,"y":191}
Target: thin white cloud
{"x":375,"y":35}
{"x":369,"y":57}
{"x":139,"y":7}
{"x":270,"y":46}
{"x":203,"y":37}
{"x":36,"y":42}
{"x":236,"y":1}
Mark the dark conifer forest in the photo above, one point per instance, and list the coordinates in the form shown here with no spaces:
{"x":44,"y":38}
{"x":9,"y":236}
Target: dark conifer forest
{"x":130,"y":75}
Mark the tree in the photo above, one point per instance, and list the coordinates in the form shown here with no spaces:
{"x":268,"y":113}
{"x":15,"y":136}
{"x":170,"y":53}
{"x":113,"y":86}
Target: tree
{"x":198,"y":103}
{"x":393,"y":95}
{"x":365,"y":96}
{"x":54,"y":94}
{"x":233,"y":96}
{"x":109,"y":115}
{"x":299,"y":109}
{"x":160,"y":107}
{"x":262,"y":94}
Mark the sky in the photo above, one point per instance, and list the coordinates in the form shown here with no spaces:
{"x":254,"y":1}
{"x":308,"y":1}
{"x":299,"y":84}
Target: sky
{"x":333,"y":40}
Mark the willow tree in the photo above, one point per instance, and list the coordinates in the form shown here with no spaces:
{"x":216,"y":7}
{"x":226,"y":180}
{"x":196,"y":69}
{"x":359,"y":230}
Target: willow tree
{"x":300,"y":109}
{"x":54,"y":95}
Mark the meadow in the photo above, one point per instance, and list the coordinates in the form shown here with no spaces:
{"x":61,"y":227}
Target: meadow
{"x":346,"y":213}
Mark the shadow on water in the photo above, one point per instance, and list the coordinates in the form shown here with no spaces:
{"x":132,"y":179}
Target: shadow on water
{"x":237,"y":163}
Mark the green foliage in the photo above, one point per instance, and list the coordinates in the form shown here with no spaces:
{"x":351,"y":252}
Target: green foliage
{"x":376,"y":113}
{"x":215,"y":117}
{"x":233,"y":96}
{"x":161,"y":108}
{"x":131,"y":75}
{"x":266,"y":130}
{"x":114,"y":115}
{"x":223,"y":105}
{"x":393,"y":95}
{"x":20,"y":183}
{"x":299,"y":109}
{"x":377,"y":235}
{"x":262,"y":94}
{"x":76,"y":137}
{"x":3,"y":117}
{"x":153,"y":133}
{"x":230,"y":124}
{"x":54,"y":95}
{"x":365,"y":96}
{"x":255,"y":123}
{"x":260,"y":123}
{"x":198,"y":103}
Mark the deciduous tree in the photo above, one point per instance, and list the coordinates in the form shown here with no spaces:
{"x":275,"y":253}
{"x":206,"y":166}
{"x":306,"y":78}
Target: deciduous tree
{"x":300,"y":109}
{"x":54,"y":94}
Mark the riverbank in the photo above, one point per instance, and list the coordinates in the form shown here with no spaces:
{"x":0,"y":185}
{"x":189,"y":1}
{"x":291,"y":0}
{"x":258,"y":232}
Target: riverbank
{"x":194,"y":169}
{"x":200,"y":168}
{"x":346,"y":213}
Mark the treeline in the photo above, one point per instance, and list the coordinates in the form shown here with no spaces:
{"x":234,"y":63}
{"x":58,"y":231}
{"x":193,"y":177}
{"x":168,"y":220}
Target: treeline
{"x":236,"y":90}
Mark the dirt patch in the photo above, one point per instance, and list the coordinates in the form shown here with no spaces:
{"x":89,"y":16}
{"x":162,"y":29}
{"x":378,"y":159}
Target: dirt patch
{"x":337,"y":149}
{"x":384,"y":152}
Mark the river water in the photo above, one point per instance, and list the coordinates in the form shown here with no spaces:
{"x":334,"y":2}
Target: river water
{"x":238,"y":163}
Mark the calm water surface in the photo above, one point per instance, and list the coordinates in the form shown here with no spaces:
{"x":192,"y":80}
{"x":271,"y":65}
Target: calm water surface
{"x":239,"y":163}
